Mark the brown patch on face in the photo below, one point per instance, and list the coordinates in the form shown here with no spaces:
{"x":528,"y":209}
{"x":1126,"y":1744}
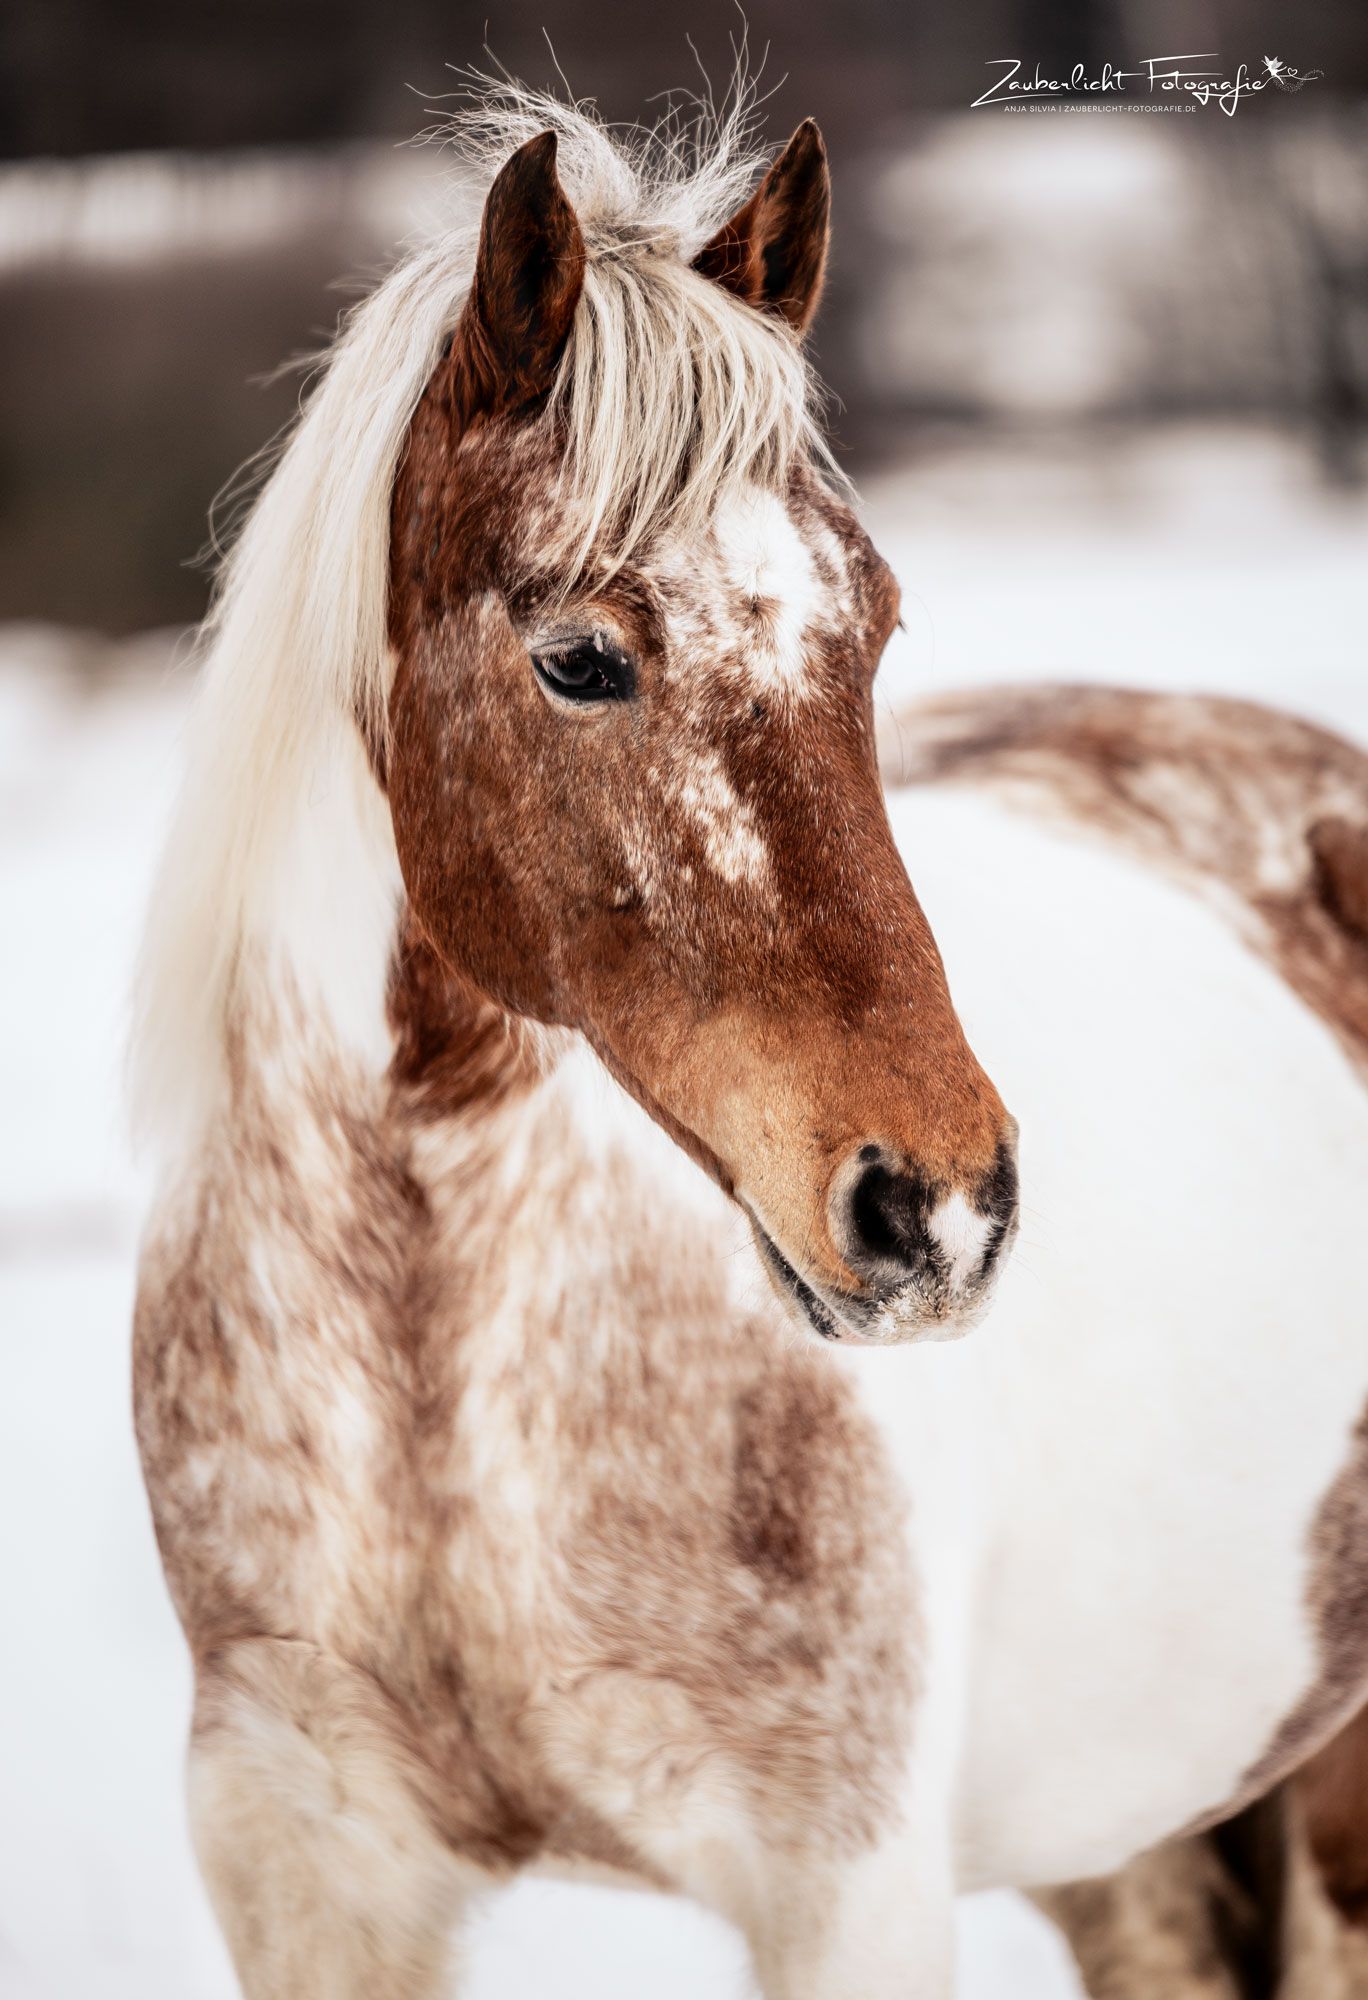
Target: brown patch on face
{"x":750,"y":1090}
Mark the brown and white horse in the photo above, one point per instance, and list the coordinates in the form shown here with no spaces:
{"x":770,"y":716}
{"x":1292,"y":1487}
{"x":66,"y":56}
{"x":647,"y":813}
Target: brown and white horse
{"x":546,"y":1041}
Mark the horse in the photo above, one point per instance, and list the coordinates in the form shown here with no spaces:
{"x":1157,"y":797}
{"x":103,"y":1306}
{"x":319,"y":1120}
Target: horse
{"x":574,"y":1170}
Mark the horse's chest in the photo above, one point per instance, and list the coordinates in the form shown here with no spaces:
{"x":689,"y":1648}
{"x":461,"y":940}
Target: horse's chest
{"x":631,"y":1565}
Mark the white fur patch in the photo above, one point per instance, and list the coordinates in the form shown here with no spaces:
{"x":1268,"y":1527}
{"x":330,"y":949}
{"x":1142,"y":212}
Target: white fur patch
{"x":962,"y":1235}
{"x":766,"y":558}
{"x":731,"y":839}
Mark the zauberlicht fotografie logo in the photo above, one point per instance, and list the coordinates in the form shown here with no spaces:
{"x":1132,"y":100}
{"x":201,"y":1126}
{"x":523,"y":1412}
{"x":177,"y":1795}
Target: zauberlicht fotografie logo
{"x":1161,"y":83}
{"x":1290,"y":79}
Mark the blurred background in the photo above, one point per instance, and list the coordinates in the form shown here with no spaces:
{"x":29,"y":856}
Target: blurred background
{"x":1101,"y":372}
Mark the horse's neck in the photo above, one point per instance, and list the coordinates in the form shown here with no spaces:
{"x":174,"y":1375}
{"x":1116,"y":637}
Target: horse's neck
{"x":392,"y":1093}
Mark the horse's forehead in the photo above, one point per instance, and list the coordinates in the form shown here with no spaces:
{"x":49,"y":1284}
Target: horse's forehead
{"x":756,"y":599}
{"x":755,"y":610}
{"x":747,"y":600}
{"x":763,"y":552}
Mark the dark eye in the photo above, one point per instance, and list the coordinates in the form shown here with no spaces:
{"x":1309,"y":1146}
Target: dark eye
{"x":590,"y":669}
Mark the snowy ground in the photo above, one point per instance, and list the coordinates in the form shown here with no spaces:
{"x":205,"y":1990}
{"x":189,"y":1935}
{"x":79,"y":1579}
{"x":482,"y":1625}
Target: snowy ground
{"x":1180,"y":562}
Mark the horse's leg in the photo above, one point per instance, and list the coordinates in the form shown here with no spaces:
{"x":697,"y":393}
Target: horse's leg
{"x":326,"y":1873}
{"x":880,"y":1927}
{"x":1171,"y":1925}
{"x":1325,"y":1912}
{"x":1325,"y":1957}
{"x":1274,"y":1901}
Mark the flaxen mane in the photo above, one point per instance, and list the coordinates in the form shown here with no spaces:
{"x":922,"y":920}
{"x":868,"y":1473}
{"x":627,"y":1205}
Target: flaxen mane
{"x":670,"y":394}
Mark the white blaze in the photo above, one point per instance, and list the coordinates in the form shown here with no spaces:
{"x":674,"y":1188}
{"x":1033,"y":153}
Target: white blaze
{"x":766,"y":558}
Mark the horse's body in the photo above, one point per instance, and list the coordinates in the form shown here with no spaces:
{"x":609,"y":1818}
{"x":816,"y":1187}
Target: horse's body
{"x":512,"y":1522}
{"x":1161,"y":1412}
{"x":627,"y":1564}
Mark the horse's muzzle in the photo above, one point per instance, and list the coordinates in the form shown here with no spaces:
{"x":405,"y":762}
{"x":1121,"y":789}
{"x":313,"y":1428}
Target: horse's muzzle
{"x":924,"y":1257}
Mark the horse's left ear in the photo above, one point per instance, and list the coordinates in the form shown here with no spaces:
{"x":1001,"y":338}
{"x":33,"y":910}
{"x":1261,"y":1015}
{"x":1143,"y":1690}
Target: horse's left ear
{"x":773,"y":252}
{"x":528,"y":273}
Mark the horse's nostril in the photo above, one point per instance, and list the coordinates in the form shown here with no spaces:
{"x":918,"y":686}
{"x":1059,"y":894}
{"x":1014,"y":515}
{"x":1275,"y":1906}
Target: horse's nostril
{"x":888,"y":1218}
{"x":900,"y":1226}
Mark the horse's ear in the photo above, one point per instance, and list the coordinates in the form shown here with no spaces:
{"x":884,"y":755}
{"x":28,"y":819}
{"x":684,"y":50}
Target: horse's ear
{"x":528,"y":274}
{"x":773,"y":252}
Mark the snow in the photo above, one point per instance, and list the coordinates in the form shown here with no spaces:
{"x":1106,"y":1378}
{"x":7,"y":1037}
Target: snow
{"x":1182,"y":561}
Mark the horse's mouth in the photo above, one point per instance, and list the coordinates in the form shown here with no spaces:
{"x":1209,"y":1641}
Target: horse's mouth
{"x":815,"y":1310}
{"x":909,"y":1312}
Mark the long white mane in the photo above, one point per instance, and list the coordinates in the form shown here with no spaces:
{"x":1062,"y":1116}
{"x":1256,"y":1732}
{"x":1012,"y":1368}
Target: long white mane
{"x":670,"y":392}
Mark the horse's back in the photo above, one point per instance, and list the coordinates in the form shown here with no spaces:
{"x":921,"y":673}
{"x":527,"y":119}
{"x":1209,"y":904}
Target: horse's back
{"x":1162,"y":1505}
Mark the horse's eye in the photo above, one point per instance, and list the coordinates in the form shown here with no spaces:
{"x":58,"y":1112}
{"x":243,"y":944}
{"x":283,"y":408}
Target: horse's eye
{"x":590,"y":669}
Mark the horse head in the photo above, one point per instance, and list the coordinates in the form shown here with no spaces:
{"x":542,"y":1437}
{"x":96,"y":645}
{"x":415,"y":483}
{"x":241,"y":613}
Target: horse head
{"x":629,"y":750}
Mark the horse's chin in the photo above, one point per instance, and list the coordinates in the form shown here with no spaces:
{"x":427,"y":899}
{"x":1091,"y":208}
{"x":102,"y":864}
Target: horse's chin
{"x":837,"y":1318}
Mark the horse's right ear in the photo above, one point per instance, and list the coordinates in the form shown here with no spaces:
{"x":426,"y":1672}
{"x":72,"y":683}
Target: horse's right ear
{"x":528,"y":274}
{"x":772,"y":253}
